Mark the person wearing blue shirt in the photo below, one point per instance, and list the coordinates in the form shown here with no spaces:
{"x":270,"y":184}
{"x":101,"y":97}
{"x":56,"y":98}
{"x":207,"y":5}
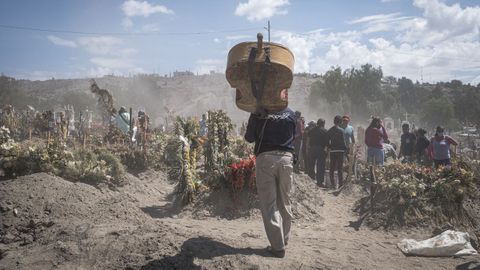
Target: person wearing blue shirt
{"x":349,"y":140}
{"x":348,"y":131}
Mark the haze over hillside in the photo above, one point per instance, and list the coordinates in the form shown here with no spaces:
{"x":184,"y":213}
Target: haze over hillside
{"x":188,"y":95}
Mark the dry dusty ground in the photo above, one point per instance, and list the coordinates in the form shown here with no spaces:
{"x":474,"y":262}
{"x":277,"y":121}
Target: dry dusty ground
{"x":49,"y":223}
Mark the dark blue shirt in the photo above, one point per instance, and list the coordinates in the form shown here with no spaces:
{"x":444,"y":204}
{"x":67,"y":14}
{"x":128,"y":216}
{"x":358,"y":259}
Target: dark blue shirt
{"x":407,"y":146}
{"x":278,"y":131}
{"x":336,"y":137}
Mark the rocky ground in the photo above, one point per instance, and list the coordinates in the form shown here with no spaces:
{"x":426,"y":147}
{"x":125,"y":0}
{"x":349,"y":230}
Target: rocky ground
{"x":50,"y":223}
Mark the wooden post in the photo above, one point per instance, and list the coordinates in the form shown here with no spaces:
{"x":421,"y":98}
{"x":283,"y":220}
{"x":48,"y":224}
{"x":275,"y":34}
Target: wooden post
{"x":130,"y":132}
{"x":373,"y":188}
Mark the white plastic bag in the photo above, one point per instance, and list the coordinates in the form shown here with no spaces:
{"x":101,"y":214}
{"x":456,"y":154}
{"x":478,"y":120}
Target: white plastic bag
{"x":448,"y":243}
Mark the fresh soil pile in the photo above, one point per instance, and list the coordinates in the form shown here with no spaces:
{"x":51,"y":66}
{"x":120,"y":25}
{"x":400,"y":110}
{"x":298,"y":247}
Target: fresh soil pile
{"x":47,"y":221}
{"x":305,"y":198}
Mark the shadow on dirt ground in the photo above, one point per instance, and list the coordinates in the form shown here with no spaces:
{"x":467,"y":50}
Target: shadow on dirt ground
{"x":163,"y":211}
{"x":201,"y":248}
{"x":471,"y":265}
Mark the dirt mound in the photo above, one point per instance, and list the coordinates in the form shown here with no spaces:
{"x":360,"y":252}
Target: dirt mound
{"x":45,"y":199}
{"x":305,"y":198}
{"x":46,"y":221}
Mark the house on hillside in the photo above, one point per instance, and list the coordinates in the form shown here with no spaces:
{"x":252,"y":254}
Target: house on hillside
{"x":186,"y":73}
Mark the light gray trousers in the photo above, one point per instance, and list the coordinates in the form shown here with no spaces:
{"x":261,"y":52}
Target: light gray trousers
{"x":274,"y":170}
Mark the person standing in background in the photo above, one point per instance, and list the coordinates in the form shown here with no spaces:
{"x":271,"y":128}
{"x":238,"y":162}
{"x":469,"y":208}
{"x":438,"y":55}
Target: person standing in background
{"x":305,"y":153}
{"x":421,"y":146}
{"x":318,"y":138}
{"x":375,"y":135}
{"x":440,"y":148}
{"x":407,"y":144}
{"x":349,"y":135}
{"x":336,"y":138}
{"x":349,"y":141}
{"x":300,"y":127}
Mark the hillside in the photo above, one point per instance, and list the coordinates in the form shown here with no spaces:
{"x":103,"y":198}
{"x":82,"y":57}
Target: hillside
{"x":185,"y":95}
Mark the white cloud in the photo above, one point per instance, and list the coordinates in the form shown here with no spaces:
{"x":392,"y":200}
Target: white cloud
{"x":100,"y":45}
{"x":383,"y":22}
{"x":438,"y":63}
{"x":440,"y":16}
{"x":133,"y":8}
{"x":109,"y":57}
{"x":375,"y":18}
{"x":62,"y":42}
{"x":217,"y":40}
{"x":107,"y":54}
{"x":387,"y":1}
{"x":204,"y":66}
{"x":301,"y":47}
{"x":441,"y":22}
{"x":256,"y":10}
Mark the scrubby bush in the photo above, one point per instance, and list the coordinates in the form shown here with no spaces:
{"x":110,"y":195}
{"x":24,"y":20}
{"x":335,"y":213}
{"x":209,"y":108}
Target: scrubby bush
{"x":91,"y":166}
{"x":411,"y":195}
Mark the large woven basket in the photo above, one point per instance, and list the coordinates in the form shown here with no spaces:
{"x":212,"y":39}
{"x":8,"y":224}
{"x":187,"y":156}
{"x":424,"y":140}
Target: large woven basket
{"x":277,"y":81}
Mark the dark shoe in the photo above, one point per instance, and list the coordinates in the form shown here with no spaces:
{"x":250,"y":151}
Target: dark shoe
{"x":276,"y":253}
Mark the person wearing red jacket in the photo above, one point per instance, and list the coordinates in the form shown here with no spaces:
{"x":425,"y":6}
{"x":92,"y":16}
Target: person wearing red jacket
{"x":375,"y":135}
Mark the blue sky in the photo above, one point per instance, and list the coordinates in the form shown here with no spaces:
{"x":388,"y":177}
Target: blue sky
{"x":436,"y":40}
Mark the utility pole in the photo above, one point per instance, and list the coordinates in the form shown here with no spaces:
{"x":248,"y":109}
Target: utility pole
{"x":268,"y":29}
{"x":421,"y":75}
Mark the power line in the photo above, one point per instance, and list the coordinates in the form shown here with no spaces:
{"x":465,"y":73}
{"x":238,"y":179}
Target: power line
{"x":24,"y":28}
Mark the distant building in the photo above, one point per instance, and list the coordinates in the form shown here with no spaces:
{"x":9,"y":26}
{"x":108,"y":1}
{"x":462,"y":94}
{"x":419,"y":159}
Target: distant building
{"x":182,"y":73}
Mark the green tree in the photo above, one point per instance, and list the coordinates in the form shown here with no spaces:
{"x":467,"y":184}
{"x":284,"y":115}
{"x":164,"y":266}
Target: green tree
{"x":330,"y":87}
{"x":467,"y":105}
{"x":438,"y":111}
{"x":11,"y":93}
{"x":363,"y":85}
{"x":406,"y":90}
